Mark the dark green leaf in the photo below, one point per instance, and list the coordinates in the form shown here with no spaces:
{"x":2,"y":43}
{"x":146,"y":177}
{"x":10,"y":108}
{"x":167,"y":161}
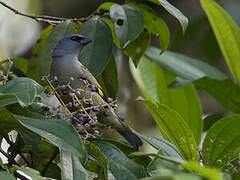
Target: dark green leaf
{"x":225,"y":92}
{"x":108,"y":80}
{"x":161,"y":144}
{"x":120,"y":166}
{"x":23,"y":89}
{"x":41,"y":59}
{"x":96,"y":55}
{"x":174,"y":128}
{"x":95,"y":152}
{"x":72,"y":168}
{"x":155,"y":25}
{"x":128,"y":22}
{"x":184,"y":66}
{"x":58,"y":132}
{"x":6,"y":176}
{"x":173,"y":11}
{"x":30,"y":172}
{"x":7,"y":121}
{"x":227,"y":34}
{"x":21,"y":64}
{"x":211,"y":119}
{"x":137,"y":48}
{"x":31,"y":139}
{"x":221,"y":144}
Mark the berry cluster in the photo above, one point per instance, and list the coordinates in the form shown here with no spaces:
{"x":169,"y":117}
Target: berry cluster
{"x":78,"y":106}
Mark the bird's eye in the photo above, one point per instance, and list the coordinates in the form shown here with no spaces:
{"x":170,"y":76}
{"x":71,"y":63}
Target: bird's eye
{"x":75,"y":38}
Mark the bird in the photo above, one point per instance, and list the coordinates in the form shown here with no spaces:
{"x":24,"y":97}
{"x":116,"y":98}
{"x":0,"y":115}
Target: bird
{"x":66,"y":69}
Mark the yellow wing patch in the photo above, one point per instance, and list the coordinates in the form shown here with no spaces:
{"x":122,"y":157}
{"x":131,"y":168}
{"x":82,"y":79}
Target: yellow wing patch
{"x":100,"y":92}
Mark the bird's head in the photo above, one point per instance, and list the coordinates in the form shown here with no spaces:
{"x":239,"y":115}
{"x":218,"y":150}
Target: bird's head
{"x":70,"y":44}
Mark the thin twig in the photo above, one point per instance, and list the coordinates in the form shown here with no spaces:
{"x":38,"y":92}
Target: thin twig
{"x":54,"y":155}
{"x":44,"y":18}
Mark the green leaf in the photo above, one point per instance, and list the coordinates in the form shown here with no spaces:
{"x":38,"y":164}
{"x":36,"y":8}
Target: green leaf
{"x":95,"y":152}
{"x":174,"y":128}
{"x":30,"y":172}
{"x":225,"y":92}
{"x":208,"y":173}
{"x":154,"y":81}
{"x":227,"y":34}
{"x":173,"y":11}
{"x":184,"y":66}
{"x":174,"y":160}
{"x":221,"y":144}
{"x":6,"y":176}
{"x":41,"y":60}
{"x":21,"y":64}
{"x":211,"y":119}
{"x":120,"y":166}
{"x":96,"y":55}
{"x":128,"y":22}
{"x":108,"y":80}
{"x":31,"y":139}
{"x":155,"y":25}
{"x":137,"y":48}
{"x":161,"y":144}
{"x":58,"y":132}
{"x":24,"y":90}
{"x":71,"y":167}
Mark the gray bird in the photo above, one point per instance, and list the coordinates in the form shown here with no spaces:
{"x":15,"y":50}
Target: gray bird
{"x":66,"y":67}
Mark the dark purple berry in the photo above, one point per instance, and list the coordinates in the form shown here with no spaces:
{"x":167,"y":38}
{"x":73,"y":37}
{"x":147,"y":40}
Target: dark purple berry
{"x":80,"y":118}
{"x":93,"y":89}
{"x":46,"y":108}
{"x":63,"y":86}
{"x":55,"y":108}
{"x":58,"y":115}
{"x":83,"y":78}
{"x":73,"y":90}
{"x":64,"y":92}
{"x":74,"y":118}
{"x":69,"y":104}
{"x":93,"y":125}
{"x":55,"y":78}
{"x":71,"y":79}
{"x":106,"y":114}
{"x":95,"y":109}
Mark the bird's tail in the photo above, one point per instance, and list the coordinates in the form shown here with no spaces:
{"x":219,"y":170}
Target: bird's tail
{"x":131,"y":137}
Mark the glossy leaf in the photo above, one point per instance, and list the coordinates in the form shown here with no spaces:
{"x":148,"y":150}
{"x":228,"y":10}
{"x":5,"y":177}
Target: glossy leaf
{"x":128,"y":22}
{"x":95,"y":152}
{"x":227,"y":34}
{"x":173,"y":11}
{"x":30,"y":172}
{"x":22,"y":90}
{"x":174,"y":160}
{"x":136,"y":49}
{"x":6,"y":176}
{"x":95,"y":56}
{"x":21,"y":64}
{"x":41,"y":60}
{"x":108,"y":80}
{"x":184,"y":66}
{"x":120,"y":166}
{"x":154,"y":81}
{"x":208,"y":173}
{"x":221,"y":144}
{"x":225,"y":92}
{"x":161,"y":144}
{"x":58,"y":132}
{"x":174,"y":128}
{"x":155,"y":25}
{"x":71,"y":167}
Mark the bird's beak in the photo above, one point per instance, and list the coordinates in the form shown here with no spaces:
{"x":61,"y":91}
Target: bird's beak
{"x":85,"y":41}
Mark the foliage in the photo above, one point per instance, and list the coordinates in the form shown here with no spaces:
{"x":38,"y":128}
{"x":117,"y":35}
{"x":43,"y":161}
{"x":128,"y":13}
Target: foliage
{"x":51,"y":147}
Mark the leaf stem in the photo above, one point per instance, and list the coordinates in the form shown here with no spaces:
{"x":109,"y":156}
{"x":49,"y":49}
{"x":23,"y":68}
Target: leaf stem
{"x":54,"y":155}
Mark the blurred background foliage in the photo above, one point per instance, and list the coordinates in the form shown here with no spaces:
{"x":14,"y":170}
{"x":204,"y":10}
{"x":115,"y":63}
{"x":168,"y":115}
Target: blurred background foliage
{"x":18,"y":34}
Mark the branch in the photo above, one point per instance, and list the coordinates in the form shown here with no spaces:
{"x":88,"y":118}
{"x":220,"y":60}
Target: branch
{"x":54,"y":155}
{"x":43,"y":18}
